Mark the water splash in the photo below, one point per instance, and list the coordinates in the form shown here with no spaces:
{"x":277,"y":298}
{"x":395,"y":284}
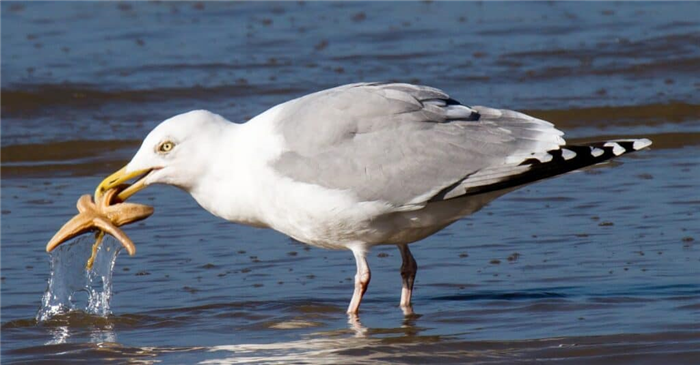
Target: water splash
{"x":71,"y":287}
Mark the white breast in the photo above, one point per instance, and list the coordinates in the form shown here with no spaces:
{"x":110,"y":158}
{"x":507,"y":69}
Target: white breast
{"x":240,"y":186}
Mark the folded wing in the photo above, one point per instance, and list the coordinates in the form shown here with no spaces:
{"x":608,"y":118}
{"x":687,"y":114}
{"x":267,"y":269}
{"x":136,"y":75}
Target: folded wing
{"x":407,"y":145}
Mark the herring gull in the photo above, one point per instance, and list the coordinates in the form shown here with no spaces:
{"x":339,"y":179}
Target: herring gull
{"x":357,"y":166}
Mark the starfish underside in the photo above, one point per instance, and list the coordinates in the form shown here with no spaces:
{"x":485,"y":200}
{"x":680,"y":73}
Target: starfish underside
{"x":104,"y":217}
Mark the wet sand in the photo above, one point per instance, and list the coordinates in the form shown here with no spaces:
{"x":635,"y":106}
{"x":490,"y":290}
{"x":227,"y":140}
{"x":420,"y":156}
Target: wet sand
{"x":599,"y":266}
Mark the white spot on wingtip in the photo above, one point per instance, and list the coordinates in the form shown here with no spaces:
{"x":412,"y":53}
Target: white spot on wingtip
{"x":641,"y":143}
{"x":617,"y":149}
{"x":567,"y":154}
{"x":596,"y":151}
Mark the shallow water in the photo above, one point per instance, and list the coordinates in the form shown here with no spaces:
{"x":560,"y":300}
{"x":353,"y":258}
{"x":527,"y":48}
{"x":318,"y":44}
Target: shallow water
{"x":595,"y":266}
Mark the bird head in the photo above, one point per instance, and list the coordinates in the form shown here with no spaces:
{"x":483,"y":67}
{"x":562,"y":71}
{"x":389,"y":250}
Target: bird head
{"x":173,"y":153}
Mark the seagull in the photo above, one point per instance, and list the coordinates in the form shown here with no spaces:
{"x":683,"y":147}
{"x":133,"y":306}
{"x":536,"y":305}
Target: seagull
{"x":357,"y":166}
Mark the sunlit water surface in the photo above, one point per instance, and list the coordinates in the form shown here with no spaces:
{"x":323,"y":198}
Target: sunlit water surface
{"x":596,"y":266}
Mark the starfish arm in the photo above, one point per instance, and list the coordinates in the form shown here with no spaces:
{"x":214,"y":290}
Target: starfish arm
{"x":108,"y":227}
{"x":81,"y":223}
{"x":125,"y":213}
{"x":85,"y":204}
{"x":105,"y":201}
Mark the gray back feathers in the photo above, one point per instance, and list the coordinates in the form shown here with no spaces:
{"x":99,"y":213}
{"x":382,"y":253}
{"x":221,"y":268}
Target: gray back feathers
{"x":405,"y":144}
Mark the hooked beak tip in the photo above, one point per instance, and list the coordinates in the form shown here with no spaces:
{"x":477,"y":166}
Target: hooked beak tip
{"x":122,"y":176}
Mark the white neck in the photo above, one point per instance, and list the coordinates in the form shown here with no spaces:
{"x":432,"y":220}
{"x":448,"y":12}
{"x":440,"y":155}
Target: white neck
{"x":236,"y":178}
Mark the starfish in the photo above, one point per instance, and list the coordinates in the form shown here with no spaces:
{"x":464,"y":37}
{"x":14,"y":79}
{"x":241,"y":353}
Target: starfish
{"x":104,"y":217}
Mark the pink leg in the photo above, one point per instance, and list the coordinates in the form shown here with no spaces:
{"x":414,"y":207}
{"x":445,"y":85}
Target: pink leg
{"x":361,"y":280}
{"x":408,"y":276}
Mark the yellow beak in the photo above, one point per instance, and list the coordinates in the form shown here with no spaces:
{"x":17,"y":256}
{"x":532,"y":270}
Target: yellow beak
{"x":119,"y":177}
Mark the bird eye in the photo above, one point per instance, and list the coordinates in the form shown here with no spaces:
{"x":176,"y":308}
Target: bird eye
{"x":166,"y":147}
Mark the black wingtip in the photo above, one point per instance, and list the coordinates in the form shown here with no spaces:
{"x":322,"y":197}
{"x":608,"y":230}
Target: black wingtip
{"x":565,"y":159}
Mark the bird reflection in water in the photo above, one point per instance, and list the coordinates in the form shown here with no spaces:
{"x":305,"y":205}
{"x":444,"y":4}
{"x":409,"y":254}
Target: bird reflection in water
{"x":408,"y":327}
{"x":356,"y":326}
{"x":352,"y":345}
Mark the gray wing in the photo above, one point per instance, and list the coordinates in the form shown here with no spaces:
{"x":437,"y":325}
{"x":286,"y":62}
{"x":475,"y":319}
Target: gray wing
{"x":404,"y":144}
